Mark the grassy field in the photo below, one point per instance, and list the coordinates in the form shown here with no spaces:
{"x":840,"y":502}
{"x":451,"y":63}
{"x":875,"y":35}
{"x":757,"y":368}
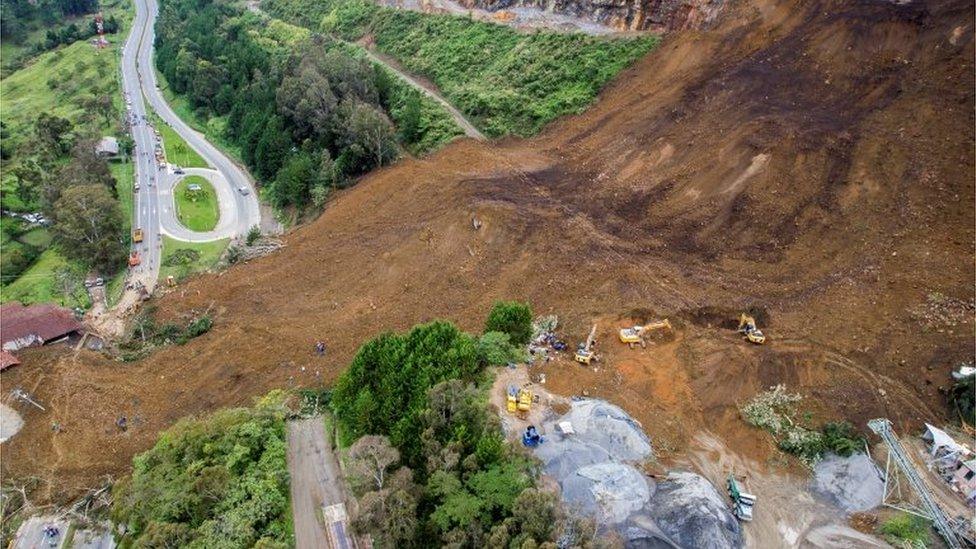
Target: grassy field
{"x":62,"y":82}
{"x":199,"y":257}
{"x":177,"y":151}
{"x":58,"y":82}
{"x":212,"y":128}
{"x":38,"y":237}
{"x":197,"y":211}
{"x":38,"y":284}
{"x":508,"y":82}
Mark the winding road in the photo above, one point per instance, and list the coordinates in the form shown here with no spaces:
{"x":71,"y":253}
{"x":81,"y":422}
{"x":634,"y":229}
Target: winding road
{"x":155,"y":211}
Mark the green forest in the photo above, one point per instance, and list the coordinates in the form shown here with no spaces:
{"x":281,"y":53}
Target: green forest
{"x":218,"y":481}
{"x":308,"y":113}
{"x":506,"y":81}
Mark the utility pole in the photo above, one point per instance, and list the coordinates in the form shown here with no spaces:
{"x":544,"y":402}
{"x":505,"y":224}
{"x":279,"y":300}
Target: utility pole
{"x":24,"y":396}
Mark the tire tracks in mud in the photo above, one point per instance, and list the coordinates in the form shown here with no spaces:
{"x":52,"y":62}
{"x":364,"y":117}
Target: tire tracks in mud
{"x":873,"y":379}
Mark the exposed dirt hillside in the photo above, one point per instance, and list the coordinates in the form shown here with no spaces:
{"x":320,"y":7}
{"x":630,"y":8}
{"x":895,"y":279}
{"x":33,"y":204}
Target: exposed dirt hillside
{"x":813,"y":160}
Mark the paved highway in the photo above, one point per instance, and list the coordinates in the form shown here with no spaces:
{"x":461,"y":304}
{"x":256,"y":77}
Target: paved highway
{"x":155,"y":211}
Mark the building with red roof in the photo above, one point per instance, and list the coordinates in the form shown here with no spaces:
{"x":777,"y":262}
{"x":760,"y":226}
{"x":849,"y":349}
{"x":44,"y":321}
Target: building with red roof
{"x":35,"y":325}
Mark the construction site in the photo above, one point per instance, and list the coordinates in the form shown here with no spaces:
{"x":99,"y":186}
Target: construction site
{"x":791,"y":189}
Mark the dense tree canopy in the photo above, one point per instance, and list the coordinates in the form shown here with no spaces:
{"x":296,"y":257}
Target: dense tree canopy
{"x":88,"y":226}
{"x":289,"y":105}
{"x":384,"y":390}
{"x":431,"y":466}
{"x":220,"y":481}
{"x":512,"y":318}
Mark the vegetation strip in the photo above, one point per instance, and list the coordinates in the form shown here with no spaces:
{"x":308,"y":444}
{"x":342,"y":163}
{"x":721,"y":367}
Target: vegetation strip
{"x":507,"y":81}
{"x":60,"y":97}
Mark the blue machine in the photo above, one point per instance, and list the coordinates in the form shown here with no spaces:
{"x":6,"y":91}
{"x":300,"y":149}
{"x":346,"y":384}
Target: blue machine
{"x":531,"y":437}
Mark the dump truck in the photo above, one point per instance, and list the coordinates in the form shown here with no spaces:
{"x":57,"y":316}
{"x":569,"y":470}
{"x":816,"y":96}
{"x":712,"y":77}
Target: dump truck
{"x":747,"y":326}
{"x":134,"y":259}
{"x":137,"y":236}
{"x":742,"y":503}
{"x":635,"y":335}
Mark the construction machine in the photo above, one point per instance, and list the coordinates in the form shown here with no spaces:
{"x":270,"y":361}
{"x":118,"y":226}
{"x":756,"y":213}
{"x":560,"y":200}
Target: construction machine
{"x":583,"y":352}
{"x":134,"y":259}
{"x":635,"y":336}
{"x":742,"y":503}
{"x":519,"y":401}
{"x":747,"y":326}
{"x":531,"y":437}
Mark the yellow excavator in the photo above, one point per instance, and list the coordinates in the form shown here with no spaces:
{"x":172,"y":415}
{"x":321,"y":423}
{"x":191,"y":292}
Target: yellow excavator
{"x":747,"y":326}
{"x":635,"y":336}
{"x":583,"y":353}
{"x":519,"y":401}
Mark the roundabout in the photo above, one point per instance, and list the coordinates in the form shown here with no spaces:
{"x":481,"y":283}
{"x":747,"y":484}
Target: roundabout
{"x":195,"y":215}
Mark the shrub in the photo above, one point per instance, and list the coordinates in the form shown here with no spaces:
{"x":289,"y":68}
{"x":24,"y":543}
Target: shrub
{"x":494,"y":349}
{"x":774,"y":411}
{"x":512,"y":318}
{"x":182,"y":256}
{"x":841,"y":439}
{"x":962,"y":396}
{"x":771,"y":410}
{"x":907,"y":530}
{"x":253,"y":235}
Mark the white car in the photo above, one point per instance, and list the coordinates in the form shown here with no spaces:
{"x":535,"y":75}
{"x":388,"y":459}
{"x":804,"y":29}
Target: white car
{"x":244,"y":190}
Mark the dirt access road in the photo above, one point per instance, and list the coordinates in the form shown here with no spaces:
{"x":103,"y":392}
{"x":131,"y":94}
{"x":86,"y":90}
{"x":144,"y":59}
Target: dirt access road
{"x":315,"y":484}
{"x":421,"y":85}
{"x":424,"y":87}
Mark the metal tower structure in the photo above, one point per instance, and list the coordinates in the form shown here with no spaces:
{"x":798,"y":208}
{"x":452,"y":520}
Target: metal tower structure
{"x":893,"y":497}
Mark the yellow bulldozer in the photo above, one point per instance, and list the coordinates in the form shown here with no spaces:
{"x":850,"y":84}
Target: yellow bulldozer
{"x":519,"y":401}
{"x":584,"y":354}
{"x":747,"y":326}
{"x":635,"y":336}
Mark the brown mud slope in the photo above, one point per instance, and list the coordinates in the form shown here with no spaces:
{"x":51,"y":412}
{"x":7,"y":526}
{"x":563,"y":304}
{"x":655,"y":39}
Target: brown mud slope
{"x":811,"y":159}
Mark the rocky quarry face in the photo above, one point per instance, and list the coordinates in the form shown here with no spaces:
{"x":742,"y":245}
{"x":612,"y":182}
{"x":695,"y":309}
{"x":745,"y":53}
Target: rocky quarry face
{"x":634,"y":15}
{"x":595,"y":461}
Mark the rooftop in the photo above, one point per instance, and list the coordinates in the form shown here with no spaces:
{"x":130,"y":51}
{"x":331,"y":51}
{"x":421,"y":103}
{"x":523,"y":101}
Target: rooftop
{"x":32,"y":325}
{"x":108,"y":145}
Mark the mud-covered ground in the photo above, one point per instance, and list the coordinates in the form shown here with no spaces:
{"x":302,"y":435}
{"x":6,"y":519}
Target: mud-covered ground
{"x":812,"y":161}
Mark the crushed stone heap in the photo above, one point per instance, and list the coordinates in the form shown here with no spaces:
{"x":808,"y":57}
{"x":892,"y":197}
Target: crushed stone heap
{"x":595,"y":461}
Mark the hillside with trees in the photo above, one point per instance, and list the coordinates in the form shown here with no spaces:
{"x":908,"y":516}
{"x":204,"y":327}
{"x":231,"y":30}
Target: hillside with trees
{"x":506,"y":81}
{"x":56,"y":108}
{"x":307,"y":113}
{"x":217,"y":481}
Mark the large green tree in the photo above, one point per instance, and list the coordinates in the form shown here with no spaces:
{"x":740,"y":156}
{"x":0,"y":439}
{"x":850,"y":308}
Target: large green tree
{"x":88,"y":227}
{"x":513,"y":318}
